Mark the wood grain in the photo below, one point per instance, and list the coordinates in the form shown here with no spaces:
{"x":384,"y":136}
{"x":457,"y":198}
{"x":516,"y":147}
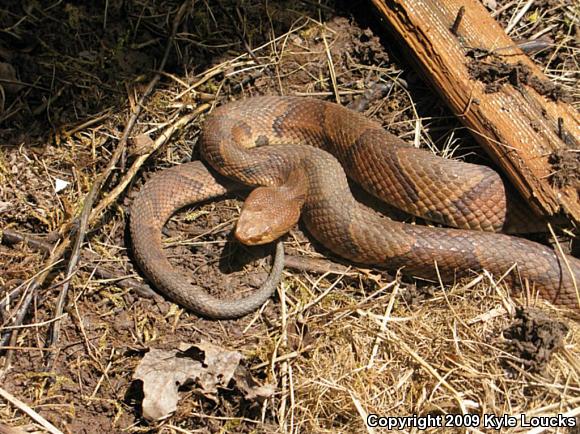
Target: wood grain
{"x":516,"y":125}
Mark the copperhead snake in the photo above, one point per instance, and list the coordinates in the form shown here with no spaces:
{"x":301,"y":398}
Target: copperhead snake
{"x":300,"y":150}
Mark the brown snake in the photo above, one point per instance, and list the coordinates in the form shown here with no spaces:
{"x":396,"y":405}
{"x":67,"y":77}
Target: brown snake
{"x":297,"y":167}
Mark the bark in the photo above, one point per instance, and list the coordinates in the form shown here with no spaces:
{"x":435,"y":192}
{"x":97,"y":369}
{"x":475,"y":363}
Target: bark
{"x":519,"y":118}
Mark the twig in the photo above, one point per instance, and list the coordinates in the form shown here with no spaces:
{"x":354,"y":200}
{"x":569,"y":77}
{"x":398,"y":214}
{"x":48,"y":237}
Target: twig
{"x":163,"y":137}
{"x":390,"y":336}
{"x":37,"y":282}
{"x":518,"y":16}
{"x":30,"y":412}
{"x":96,"y":187}
{"x":142,"y":289}
{"x":301,"y":263}
{"x":87,"y":123}
{"x":331,"y":69}
{"x":567,"y":263}
{"x":457,"y":22}
{"x":14,"y":237}
{"x":10,"y":237}
{"x":320,"y":266}
{"x":238,"y":32}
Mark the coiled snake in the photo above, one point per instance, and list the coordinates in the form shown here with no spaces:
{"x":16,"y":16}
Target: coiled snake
{"x":300,"y":150}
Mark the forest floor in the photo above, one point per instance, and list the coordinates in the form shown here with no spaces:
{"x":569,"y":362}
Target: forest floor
{"x":332,"y":346}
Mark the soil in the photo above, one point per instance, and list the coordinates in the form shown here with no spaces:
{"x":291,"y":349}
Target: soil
{"x":72,"y":71}
{"x":533,"y":337}
{"x":566,"y":165}
{"x":495,"y":73}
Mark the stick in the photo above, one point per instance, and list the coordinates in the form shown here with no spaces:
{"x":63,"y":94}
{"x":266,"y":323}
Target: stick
{"x":30,"y":412}
{"x":96,"y":187}
{"x":516,"y":120}
{"x":14,"y":237}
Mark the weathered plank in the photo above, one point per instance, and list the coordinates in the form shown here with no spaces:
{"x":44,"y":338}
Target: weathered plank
{"x":519,"y":120}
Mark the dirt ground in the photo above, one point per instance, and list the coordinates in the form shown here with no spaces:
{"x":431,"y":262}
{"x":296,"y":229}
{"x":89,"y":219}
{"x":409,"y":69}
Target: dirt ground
{"x":331,"y":347}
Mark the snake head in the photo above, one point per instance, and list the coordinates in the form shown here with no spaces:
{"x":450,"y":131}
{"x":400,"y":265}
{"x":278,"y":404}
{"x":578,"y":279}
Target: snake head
{"x":267,"y":214}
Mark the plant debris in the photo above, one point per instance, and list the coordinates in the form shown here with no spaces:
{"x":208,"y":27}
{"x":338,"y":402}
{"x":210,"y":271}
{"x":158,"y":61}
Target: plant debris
{"x":566,"y":164}
{"x":533,"y":337}
{"x":206,"y":365}
{"x":337,"y":341}
{"x":495,"y":73}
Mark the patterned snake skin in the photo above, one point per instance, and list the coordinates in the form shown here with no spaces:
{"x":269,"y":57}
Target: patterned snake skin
{"x":301,"y":135}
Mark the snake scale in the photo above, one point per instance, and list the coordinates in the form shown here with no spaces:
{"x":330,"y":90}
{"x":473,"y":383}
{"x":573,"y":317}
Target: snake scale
{"x":302,"y":149}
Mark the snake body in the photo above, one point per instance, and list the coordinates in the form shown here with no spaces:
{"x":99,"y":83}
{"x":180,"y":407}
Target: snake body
{"x":263,"y":141}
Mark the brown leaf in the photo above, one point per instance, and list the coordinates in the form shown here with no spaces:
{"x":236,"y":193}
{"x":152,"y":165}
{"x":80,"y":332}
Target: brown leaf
{"x":141,"y":144}
{"x":250,"y":388}
{"x":162,"y":372}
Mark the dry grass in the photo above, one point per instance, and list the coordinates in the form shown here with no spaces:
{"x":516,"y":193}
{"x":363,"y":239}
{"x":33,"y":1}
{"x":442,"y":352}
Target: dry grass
{"x":337,"y":346}
{"x":528,"y":21}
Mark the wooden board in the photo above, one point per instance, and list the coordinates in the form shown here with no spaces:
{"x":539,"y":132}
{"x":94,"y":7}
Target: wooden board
{"x":521,"y":129}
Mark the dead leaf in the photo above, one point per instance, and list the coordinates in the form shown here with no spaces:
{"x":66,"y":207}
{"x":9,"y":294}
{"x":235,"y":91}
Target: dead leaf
{"x":219,"y":365}
{"x":4,"y":206}
{"x":252,"y":391}
{"x":141,"y":145}
{"x":162,"y":372}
